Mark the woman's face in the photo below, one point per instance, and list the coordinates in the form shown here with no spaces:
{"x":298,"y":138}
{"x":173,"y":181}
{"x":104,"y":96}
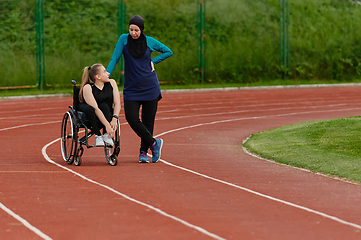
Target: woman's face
{"x":134,"y":31}
{"x":103,"y":75}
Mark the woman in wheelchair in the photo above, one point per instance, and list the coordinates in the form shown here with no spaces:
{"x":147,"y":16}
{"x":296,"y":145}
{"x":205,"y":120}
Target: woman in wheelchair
{"x":96,"y":100}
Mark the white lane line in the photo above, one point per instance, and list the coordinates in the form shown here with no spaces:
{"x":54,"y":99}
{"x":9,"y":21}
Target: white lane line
{"x":302,"y":169}
{"x":247,"y":111}
{"x":249,"y":190}
{"x":266,"y":196}
{"x":28,"y":125}
{"x":24,"y":222}
{"x":249,"y":118}
{"x":31,"y":110}
{"x":31,"y":116}
{"x":130,"y":198}
{"x":11,"y":213}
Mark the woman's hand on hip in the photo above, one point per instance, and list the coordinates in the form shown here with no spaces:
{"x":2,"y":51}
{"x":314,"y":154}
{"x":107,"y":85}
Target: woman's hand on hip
{"x":152,"y":65}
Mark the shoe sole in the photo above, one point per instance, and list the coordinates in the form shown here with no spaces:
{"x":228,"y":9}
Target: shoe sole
{"x":143,"y":161}
{"x":160,"y":150}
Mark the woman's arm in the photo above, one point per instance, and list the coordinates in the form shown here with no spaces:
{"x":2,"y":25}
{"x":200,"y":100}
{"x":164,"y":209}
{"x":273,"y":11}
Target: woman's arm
{"x":157,"y":46}
{"x":118,"y":51}
{"x":89,"y":99}
{"x":117,"y":105}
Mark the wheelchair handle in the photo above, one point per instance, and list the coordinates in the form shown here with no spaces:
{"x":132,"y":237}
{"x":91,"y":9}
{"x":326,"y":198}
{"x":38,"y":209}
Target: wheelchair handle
{"x":73,"y":82}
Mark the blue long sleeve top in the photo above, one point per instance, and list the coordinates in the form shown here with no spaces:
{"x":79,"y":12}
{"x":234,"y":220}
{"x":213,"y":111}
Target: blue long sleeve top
{"x":140,"y":83}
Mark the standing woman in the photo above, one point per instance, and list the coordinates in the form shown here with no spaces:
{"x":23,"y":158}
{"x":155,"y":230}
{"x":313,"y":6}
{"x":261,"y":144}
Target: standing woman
{"x":141,"y":85}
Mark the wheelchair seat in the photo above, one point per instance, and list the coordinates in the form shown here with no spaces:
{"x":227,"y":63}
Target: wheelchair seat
{"x":81,"y":116}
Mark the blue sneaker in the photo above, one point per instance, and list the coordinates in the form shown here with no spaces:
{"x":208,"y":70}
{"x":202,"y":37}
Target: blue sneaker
{"x":143,"y":157}
{"x":156,"y":149}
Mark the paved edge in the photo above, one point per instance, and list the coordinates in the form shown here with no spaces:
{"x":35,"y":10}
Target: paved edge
{"x":202,"y":89}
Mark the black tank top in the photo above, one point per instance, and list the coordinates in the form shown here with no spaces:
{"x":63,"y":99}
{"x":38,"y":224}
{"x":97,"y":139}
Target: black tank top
{"x":105,"y":95}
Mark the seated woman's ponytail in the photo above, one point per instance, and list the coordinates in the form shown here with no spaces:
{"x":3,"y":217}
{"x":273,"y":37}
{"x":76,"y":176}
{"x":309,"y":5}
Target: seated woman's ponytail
{"x":88,"y":75}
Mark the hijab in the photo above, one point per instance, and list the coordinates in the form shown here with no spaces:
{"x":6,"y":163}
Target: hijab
{"x":137,"y":47}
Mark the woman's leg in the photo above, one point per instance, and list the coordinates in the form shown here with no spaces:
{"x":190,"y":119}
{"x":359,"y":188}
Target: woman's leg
{"x":90,"y":113}
{"x":107,"y":114}
{"x":149,"y":110}
{"x":131,"y":110}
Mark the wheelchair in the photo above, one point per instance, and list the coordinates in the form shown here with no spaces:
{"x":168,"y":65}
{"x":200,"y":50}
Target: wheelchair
{"x":72,"y":145}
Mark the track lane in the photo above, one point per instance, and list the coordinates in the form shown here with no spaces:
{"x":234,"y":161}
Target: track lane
{"x":236,"y":168}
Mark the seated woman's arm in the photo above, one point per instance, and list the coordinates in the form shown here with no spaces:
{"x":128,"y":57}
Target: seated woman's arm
{"x":117,"y":105}
{"x":89,"y":99}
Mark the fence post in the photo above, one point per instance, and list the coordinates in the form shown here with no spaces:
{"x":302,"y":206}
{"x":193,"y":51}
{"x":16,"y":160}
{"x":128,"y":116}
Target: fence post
{"x":121,"y":29}
{"x":40,"y":43}
{"x":201,"y":36}
{"x":284,"y":37}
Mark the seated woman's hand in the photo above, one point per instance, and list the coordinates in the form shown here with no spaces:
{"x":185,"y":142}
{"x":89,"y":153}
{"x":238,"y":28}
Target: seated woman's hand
{"x":110,"y":131}
{"x":114,"y":124}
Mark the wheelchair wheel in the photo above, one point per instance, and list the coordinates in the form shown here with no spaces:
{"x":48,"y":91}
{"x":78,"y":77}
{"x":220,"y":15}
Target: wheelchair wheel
{"x":112,"y":157}
{"x":69,"y":137}
{"x":78,"y":159}
{"x":112,"y":160}
{"x":117,"y":140}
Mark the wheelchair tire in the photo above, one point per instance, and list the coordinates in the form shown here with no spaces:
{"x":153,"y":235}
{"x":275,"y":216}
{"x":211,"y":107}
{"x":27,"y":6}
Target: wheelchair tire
{"x":111,"y":153}
{"x":69,"y":137}
{"x":111,"y":159}
{"x":117,"y":140}
{"x":78,"y":160}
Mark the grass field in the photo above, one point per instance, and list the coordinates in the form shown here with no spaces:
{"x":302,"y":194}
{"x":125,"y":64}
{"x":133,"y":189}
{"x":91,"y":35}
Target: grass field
{"x":331,"y":147}
{"x":324,"y":39}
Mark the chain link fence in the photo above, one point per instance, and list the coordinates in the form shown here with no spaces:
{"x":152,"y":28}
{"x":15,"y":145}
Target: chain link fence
{"x":243,"y":39}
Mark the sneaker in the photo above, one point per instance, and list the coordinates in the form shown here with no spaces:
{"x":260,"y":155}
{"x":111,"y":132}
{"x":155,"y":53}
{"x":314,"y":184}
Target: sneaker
{"x":107,"y":139}
{"x":99,"y":141}
{"x":156,"y":149}
{"x":143,"y":157}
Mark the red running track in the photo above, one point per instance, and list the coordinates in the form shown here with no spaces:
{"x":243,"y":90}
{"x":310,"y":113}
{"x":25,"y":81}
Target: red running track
{"x":205,"y":187}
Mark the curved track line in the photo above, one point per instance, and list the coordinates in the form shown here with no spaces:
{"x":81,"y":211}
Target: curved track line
{"x":266,"y":196}
{"x":302,"y":169}
{"x":208,"y":177}
{"x":249,"y":190}
{"x":25,"y":223}
{"x":249,"y":118}
{"x":129,"y":198}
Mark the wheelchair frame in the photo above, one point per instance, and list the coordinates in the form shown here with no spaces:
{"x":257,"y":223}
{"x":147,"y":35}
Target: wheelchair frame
{"x":74,"y":120}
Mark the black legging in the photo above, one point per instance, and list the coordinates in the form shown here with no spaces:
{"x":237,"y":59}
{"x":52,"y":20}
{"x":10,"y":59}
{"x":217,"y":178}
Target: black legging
{"x":144,"y":128}
{"x":94,"y":122}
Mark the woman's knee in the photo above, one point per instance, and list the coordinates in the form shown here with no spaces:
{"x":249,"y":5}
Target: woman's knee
{"x":132,"y":120}
{"x":87,"y":109}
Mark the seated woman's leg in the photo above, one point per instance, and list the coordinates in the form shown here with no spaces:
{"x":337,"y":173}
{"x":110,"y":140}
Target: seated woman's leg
{"x":107,"y":112}
{"x":90,"y":114}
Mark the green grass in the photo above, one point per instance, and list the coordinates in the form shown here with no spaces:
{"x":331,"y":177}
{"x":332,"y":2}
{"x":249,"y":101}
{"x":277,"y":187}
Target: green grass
{"x":331,"y":147}
{"x":242,"y":39}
